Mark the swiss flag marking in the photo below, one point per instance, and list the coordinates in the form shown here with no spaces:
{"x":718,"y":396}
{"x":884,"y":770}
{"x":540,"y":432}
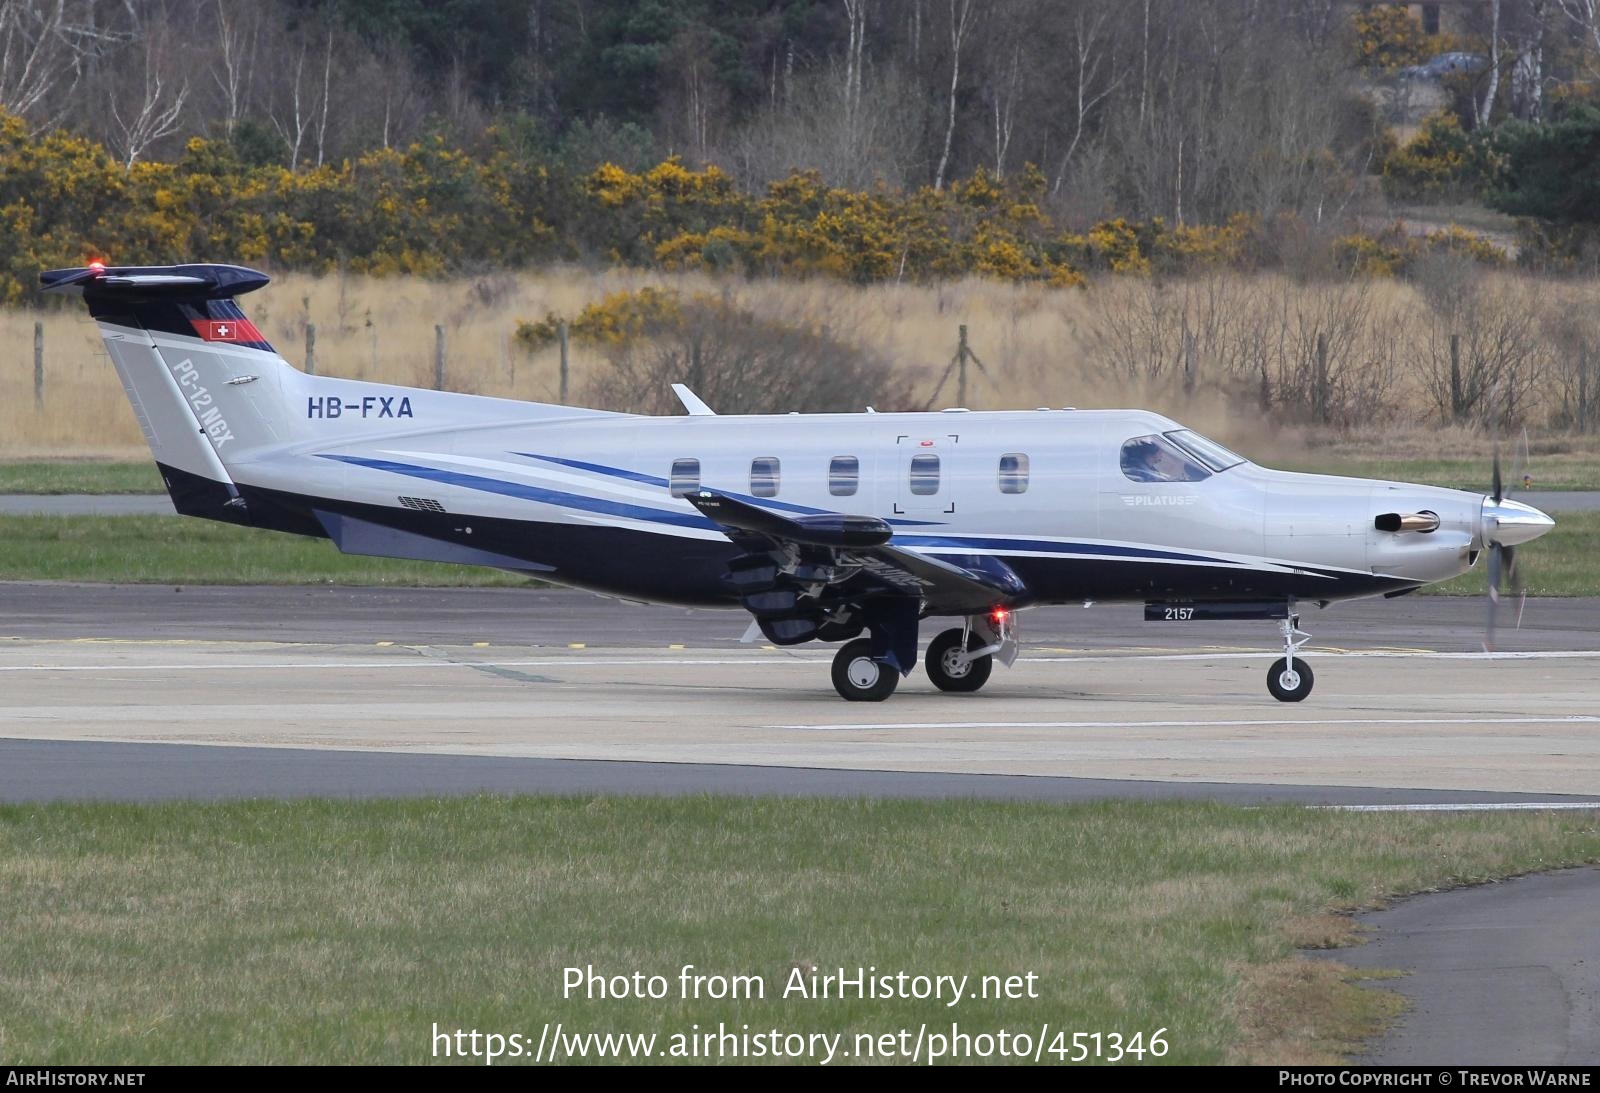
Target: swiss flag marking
{"x":227,"y":330}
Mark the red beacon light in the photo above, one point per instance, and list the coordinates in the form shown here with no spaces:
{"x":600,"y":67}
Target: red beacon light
{"x":98,"y":266}
{"x":999,"y":615}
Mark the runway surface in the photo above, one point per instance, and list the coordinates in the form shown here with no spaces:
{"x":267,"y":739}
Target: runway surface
{"x":484,"y":689}
{"x":156,"y":693}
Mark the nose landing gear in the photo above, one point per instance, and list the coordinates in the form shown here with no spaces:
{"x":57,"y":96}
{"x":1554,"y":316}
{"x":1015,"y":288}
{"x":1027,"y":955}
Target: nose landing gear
{"x":1290,"y":677}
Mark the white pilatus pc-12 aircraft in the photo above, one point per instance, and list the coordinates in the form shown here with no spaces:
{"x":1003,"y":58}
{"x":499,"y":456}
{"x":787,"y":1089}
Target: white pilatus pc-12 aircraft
{"x":847,"y":528}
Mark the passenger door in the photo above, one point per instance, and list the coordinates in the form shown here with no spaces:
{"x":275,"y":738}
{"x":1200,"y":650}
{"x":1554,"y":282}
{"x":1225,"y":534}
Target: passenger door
{"x":925,"y":474}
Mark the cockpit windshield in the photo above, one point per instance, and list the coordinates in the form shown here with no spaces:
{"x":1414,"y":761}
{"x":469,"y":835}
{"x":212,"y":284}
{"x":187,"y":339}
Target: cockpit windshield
{"x":1178,"y":456}
{"x":1207,"y":451}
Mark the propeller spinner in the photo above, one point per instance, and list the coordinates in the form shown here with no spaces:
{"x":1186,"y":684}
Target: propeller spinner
{"x":1505,"y":524}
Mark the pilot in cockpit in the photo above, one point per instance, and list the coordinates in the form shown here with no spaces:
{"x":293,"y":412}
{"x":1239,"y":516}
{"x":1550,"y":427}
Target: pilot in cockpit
{"x":1149,"y":459}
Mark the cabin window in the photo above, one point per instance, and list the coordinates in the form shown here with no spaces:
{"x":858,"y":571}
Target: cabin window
{"x":1014,"y":473}
{"x":924,"y":475}
{"x":844,"y":475}
{"x":685,"y":477}
{"x":764,"y":476}
{"x":1157,"y":459}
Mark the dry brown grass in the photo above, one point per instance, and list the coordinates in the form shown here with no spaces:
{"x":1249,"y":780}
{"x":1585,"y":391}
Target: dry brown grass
{"x":1042,"y":347}
{"x":1300,"y":1012}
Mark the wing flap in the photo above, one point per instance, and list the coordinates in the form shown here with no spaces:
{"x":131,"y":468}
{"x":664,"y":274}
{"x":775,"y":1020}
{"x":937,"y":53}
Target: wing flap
{"x":944,"y":587}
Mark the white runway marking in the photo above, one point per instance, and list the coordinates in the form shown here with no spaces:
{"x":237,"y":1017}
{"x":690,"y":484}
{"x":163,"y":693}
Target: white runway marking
{"x":396,"y":662}
{"x":808,"y":658}
{"x":1558,"y":719}
{"x":1481,"y":806}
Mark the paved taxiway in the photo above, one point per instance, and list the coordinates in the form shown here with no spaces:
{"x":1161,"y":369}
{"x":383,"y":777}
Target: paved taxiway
{"x":354,"y":679}
{"x":1500,"y":974}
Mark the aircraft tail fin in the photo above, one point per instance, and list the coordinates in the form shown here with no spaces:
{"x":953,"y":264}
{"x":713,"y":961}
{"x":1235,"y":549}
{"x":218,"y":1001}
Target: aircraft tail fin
{"x":185,"y":352}
{"x":213,"y":397}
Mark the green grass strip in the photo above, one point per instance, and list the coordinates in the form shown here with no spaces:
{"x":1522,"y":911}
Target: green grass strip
{"x":315,"y":931}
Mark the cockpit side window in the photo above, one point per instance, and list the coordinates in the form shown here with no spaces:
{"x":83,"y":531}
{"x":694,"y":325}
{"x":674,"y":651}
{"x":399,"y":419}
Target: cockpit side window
{"x":1156,"y":459}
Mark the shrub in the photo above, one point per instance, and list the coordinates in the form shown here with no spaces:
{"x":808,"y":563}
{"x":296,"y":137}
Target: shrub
{"x":738,"y":361}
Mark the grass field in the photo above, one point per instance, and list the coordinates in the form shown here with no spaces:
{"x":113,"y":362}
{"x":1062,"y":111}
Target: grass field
{"x":168,"y":550}
{"x":341,"y":932}
{"x":80,"y":476}
{"x":171,"y":550}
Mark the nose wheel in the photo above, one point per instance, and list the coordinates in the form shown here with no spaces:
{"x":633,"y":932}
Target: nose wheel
{"x":1290,"y":677}
{"x":953,"y":667}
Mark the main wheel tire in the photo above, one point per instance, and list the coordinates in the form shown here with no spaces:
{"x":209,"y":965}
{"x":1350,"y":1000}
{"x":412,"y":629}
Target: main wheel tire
{"x":859,"y":678}
{"x":1290,"y":684}
{"x":951,"y":672}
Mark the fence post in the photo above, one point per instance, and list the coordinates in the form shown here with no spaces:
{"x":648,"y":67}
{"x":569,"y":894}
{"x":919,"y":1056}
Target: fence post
{"x":38,"y":365}
{"x":961,"y":368}
{"x":561,"y":331}
{"x":311,"y":349}
{"x":438,"y":358}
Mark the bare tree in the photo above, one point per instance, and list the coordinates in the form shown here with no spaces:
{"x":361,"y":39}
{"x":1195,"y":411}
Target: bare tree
{"x":1088,"y":53}
{"x":855,"y":59}
{"x":1487,"y":106}
{"x":1584,"y":17}
{"x":883,"y":143}
{"x":1481,"y":353}
{"x":960,"y":22}
{"x":238,"y":29}
{"x":1003,"y":98}
{"x":156,"y":108}
{"x":327,"y":98}
{"x":293,"y":117}
{"x":44,"y":45}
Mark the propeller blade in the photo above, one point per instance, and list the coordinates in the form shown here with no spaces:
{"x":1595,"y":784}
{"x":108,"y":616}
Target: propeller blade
{"x":1518,"y":588}
{"x":1499,"y":486}
{"x":1492,"y":598}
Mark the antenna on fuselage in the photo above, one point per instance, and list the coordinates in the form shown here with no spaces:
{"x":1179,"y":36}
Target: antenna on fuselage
{"x":691,"y":401}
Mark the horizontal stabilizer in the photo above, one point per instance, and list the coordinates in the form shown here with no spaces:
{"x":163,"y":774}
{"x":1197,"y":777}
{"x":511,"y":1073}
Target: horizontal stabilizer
{"x":197,"y":281}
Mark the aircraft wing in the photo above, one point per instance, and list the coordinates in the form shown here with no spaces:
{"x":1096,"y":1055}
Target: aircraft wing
{"x":866,"y":542}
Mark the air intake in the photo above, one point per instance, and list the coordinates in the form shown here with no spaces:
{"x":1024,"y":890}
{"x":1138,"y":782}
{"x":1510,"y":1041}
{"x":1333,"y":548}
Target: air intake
{"x":422,"y":504}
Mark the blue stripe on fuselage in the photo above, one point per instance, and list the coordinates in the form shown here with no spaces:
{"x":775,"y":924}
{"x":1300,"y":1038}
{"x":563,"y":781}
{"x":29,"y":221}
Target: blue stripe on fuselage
{"x":530,"y":493}
{"x":943,"y":544}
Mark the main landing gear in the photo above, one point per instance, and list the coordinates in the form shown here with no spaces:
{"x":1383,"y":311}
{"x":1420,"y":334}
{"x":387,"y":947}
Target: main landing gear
{"x":958,"y":661}
{"x":1290,"y":677}
{"x":859,"y":678}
